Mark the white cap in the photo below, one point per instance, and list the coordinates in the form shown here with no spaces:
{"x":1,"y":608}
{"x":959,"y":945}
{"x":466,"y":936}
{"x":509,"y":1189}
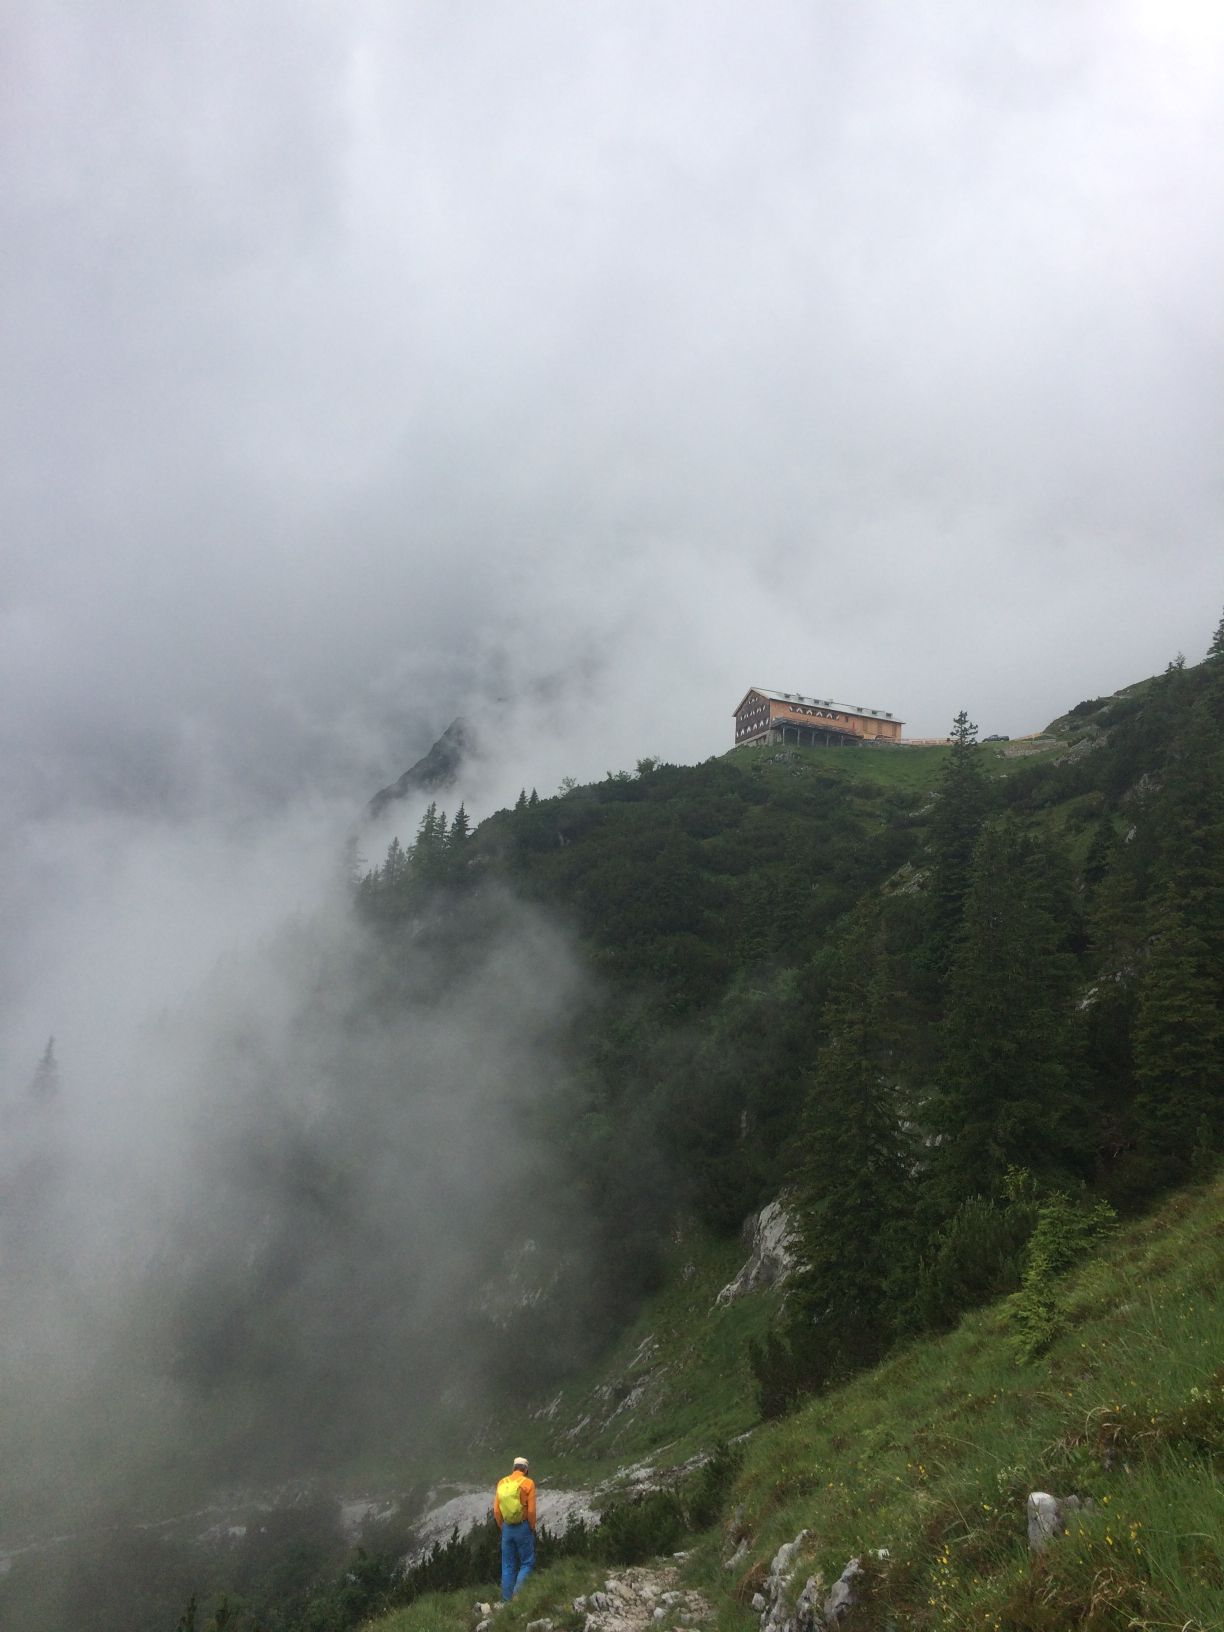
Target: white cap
{"x":521,"y":1462}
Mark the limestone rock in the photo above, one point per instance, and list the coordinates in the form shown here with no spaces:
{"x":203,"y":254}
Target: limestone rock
{"x":779,"y":1614}
{"x":772,"y":1254}
{"x":1050,"y":1516}
{"x":1043,"y":1520}
{"x":814,"y":1609}
{"x":844,"y":1595}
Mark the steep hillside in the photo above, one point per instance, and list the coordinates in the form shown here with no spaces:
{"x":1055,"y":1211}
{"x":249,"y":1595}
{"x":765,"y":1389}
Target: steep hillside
{"x":922,"y":1469}
{"x":957,"y":1007}
{"x":923,"y":988}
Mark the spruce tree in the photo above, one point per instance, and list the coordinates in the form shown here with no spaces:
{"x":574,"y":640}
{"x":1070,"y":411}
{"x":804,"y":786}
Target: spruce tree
{"x":1179,"y":1020}
{"x":855,"y":1191}
{"x":395,"y":867}
{"x":461,"y":830}
{"x":1179,"y":1050}
{"x":429,"y":852}
{"x":1008,"y":1095}
{"x":964,"y":799}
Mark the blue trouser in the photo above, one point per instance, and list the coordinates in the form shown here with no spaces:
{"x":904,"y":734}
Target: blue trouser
{"x":518,"y":1556}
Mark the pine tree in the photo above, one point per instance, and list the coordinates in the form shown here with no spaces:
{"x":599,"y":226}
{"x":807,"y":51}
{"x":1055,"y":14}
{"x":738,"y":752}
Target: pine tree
{"x":1216,"y":649}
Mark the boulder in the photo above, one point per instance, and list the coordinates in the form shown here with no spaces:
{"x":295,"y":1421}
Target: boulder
{"x":771,"y":1239}
{"x":1049,"y":1516}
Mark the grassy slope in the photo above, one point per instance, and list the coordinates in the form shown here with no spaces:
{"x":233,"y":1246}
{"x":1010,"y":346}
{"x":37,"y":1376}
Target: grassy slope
{"x":916,"y":770}
{"x":679,"y":1376}
{"x":932,"y":1455}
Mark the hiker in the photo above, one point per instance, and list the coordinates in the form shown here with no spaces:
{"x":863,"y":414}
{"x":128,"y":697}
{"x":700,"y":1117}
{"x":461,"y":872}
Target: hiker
{"x":514,"y":1508}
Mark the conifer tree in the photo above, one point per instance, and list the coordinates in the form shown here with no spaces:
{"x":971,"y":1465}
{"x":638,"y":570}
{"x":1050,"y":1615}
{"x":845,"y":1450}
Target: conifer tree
{"x":395,"y":867}
{"x":854,"y":1195}
{"x":1216,"y":649}
{"x":429,"y":852}
{"x":964,"y":799}
{"x":461,"y":830}
{"x":1007,"y":1095}
{"x":1179,"y":1049}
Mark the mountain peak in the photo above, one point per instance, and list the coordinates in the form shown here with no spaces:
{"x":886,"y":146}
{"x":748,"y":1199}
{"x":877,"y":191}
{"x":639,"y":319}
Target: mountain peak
{"x":437,"y":769}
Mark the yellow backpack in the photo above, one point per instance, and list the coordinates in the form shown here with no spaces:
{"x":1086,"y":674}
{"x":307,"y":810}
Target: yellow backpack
{"x":510,"y":1499}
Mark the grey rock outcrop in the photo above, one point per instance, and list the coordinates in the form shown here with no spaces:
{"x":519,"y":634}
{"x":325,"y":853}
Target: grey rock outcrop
{"x":771,"y":1240}
{"x":845,"y":1593}
{"x":1050,"y":1517}
{"x":737,"y":1557}
{"x":812,"y":1609}
{"x":780,"y":1613}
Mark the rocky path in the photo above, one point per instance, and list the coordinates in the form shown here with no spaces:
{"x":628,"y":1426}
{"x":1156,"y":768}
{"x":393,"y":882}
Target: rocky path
{"x":641,"y":1598}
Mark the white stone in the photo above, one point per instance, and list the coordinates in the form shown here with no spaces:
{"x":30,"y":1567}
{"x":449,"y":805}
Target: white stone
{"x":1044,"y":1520}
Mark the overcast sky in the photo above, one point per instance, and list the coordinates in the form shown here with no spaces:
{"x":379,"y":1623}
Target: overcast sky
{"x":361,"y":361}
{"x":572,"y":366}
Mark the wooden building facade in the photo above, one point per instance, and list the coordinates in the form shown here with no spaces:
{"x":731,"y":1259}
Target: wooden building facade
{"x":785,"y":716}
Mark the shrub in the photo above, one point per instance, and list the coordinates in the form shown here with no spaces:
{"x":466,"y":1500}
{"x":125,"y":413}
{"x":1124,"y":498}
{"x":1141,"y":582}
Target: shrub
{"x":1065,"y":1231}
{"x":977,"y":1256}
{"x":707,"y":1494}
{"x":632,"y":1531}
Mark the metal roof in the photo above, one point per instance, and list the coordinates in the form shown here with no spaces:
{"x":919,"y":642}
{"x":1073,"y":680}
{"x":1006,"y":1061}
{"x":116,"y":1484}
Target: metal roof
{"x":816,"y":702}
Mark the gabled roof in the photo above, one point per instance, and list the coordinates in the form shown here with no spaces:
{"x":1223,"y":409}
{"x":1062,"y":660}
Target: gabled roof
{"x":813,"y":702}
